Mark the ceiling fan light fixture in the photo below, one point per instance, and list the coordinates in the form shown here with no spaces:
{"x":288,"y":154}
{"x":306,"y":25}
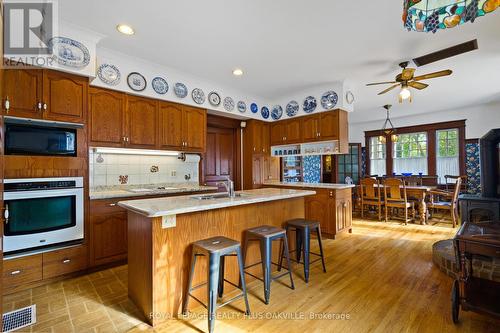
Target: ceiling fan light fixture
{"x":405,"y":94}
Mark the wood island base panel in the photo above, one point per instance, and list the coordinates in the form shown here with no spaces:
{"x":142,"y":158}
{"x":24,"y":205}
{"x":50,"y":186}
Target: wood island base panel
{"x":159,"y":258}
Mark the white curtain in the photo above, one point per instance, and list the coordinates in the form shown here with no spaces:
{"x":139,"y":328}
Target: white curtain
{"x":407,"y":165}
{"x":377,"y":167}
{"x":447,"y":166}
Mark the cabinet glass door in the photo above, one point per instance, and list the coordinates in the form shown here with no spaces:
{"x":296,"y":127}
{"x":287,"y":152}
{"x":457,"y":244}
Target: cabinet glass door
{"x":349,"y":165}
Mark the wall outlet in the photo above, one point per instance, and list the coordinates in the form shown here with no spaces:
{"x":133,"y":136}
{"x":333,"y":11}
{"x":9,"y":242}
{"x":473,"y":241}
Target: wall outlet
{"x":168,"y":221}
{"x":173,"y":173}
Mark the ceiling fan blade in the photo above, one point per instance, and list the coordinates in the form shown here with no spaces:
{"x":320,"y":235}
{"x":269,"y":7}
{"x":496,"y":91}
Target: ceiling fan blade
{"x":446,"y":53}
{"x":377,"y":83}
{"x":407,"y":74}
{"x":418,"y":85}
{"x":388,"y":89}
{"x":433,"y":75}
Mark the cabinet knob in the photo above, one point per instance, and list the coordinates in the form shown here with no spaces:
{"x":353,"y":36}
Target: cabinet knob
{"x":345,"y":204}
{"x":15,"y":272}
{"x":6,"y":104}
{"x":112,"y":204}
{"x":39,"y":106}
{"x":66,"y":261}
{"x":44,"y":106}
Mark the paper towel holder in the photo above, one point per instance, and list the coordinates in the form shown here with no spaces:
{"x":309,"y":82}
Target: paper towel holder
{"x":182,"y":157}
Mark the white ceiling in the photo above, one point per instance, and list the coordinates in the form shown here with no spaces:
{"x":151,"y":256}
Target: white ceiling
{"x":288,"y":45}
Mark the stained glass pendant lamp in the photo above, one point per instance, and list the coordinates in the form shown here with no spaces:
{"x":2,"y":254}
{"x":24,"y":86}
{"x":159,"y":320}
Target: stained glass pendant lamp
{"x":434,"y":15}
{"x":388,"y":128}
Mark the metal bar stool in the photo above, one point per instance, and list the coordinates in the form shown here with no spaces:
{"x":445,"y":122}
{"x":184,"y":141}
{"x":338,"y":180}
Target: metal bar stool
{"x":266,"y":234}
{"x":303,"y":229}
{"x":216,"y":248}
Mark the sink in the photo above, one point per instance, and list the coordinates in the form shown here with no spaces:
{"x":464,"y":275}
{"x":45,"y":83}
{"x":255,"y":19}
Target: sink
{"x":140,"y":190}
{"x":149,"y":190}
{"x":215,"y":196}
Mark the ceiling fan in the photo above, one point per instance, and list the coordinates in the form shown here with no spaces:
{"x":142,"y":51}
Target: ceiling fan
{"x":406,"y":79}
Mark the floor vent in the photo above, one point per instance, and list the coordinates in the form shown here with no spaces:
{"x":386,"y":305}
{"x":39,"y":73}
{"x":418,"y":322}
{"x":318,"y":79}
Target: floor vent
{"x":19,"y":318}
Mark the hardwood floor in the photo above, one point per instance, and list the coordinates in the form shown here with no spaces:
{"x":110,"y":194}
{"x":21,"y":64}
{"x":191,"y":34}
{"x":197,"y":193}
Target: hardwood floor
{"x":380,"y":279}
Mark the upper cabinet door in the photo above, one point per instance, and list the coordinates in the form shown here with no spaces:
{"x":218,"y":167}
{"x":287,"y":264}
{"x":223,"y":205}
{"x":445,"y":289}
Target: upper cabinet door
{"x":293,"y":131}
{"x":106,"y":118}
{"x":142,"y":122}
{"x":310,"y":130}
{"x":195,"y":128}
{"x":266,"y":141}
{"x":22,"y":88}
{"x":329,"y":126}
{"x":277,"y":133}
{"x":170,"y":128}
{"x":64,"y":96}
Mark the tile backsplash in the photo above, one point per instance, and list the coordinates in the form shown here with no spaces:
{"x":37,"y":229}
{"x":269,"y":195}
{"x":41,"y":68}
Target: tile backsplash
{"x":107,"y":169}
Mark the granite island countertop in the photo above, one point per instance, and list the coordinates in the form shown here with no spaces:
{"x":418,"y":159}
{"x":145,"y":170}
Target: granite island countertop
{"x":125,"y":191}
{"x":328,"y":186}
{"x":157,"y":207}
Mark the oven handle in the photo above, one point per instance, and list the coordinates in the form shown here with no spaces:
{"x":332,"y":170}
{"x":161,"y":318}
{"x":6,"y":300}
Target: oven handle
{"x":6,"y":214}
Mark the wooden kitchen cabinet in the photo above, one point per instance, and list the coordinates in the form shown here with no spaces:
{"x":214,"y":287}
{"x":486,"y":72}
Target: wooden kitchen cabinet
{"x":316,"y":209}
{"x":257,"y":171}
{"x":271,"y":168}
{"x":194,"y":128}
{"x":258,"y":136}
{"x":171,"y":116}
{"x":266,"y":139}
{"x":107,"y":117}
{"x":310,"y":127}
{"x":64,"y":261}
{"x":45,"y":94}
{"x":142,"y":122}
{"x":277,"y":133}
{"x":293,"y":132}
{"x":19,"y":271}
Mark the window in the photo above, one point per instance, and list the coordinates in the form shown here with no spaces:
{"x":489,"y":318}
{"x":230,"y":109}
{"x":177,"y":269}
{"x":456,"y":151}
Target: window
{"x":409,"y":153}
{"x":447,"y":161}
{"x":377,"y":156}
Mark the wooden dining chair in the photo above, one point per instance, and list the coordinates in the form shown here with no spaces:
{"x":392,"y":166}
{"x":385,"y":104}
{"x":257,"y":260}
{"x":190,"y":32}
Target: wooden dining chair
{"x":370,"y":195}
{"x":438,"y":201}
{"x":395,"y":197}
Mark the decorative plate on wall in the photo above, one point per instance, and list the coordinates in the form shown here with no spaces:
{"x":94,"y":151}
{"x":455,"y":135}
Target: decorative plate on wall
{"x":292,"y":108}
{"x":69,"y":52}
{"x":276,"y":112}
{"x":228,"y":104}
{"x":109,"y":74}
{"x":160,"y":85}
{"x":180,"y":90}
{"x":310,"y":104}
{"x":264,"y":112}
{"x":198,"y":96}
{"x":329,"y":100}
{"x":136,"y":81}
{"x":349,"y":97}
{"x":254,"y":108}
{"x":214,"y":98}
{"x":242,"y":107}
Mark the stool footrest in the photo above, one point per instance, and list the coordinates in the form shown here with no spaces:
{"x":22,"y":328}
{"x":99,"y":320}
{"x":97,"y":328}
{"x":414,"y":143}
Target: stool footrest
{"x":197,"y":300}
{"x":218,"y":306}
{"x":197,"y":286}
{"x":302,"y":263}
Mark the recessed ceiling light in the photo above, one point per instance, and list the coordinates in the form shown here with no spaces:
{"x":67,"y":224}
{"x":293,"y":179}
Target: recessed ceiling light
{"x":238,"y":72}
{"x":125,"y":29}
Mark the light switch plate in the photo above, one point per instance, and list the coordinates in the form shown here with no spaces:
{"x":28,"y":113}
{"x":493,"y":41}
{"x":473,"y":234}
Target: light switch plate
{"x":168,"y":221}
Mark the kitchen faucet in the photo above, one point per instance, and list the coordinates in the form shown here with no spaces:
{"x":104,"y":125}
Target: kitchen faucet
{"x":229,"y":185}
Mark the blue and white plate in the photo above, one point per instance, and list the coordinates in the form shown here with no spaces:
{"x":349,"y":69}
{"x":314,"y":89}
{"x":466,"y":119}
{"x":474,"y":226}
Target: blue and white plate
{"x":329,"y":100}
{"x":69,"y":52}
{"x":198,"y":96}
{"x":310,"y":104}
{"x":228,"y":104}
{"x":136,"y":81}
{"x":276,"y":112}
{"x":242,"y":106}
{"x":292,"y":108}
{"x":180,"y":90}
{"x":109,"y":74}
{"x":254,"y":108}
{"x":160,"y":85}
{"x":214,"y":98}
{"x":264,"y":112}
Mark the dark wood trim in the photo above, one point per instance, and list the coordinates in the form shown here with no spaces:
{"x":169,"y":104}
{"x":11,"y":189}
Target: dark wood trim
{"x":475,"y":140}
{"x":431,"y":153}
{"x":222,"y":122}
{"x":461,"y":146}
{"x":422,"y":128}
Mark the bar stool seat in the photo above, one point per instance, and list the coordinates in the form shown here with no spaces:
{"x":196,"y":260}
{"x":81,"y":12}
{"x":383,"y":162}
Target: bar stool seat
{"x":266,"y":234}
{"x":216,"y":249}
{"x":303,"y":229}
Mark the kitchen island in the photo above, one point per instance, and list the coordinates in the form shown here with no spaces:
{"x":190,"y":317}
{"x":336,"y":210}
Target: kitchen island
{"x":161,"y":230}
{"x":331,"y":206}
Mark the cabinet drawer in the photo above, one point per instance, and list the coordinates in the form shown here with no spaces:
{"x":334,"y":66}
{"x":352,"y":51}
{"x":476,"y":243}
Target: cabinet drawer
{"x":64,"y":261}
{"x":22,"y":270}
{"x":106,"y":206}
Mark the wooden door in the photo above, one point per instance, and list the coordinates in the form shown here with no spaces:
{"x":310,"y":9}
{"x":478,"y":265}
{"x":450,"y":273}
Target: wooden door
{"x":170,"y":126}
{"x":277,"y":133}
{"x":271,"y":168}
{"x":257,"y":171}
{"x":316,"y":209}
{"x":64,"y":96}
{"x":142,"y":122}
{"x":109,"y":238}
{"x":329,"y":126}
{"x":194,"y":128}
{"x":23,"y":89}
{"x":255,"y":136}
{"x":266,"y":140}
{"x":219,"y":160}
{"x":310,"y":130}
{"x":293,"y":133}
{"x":106,"y":118}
